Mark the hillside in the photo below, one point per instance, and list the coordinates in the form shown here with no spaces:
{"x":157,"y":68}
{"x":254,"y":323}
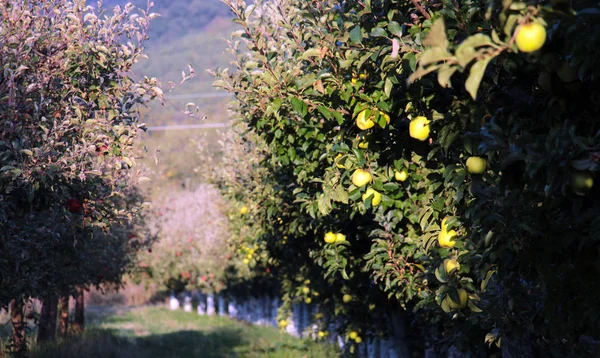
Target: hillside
{"x":178,"y":17}
{"x":187,"y":32}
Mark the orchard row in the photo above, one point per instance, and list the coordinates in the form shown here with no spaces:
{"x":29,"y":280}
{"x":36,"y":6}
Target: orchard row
{"x":433,"y":158}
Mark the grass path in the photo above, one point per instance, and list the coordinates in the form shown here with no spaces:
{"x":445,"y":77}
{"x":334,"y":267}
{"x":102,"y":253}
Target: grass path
{"x":158,"y":332}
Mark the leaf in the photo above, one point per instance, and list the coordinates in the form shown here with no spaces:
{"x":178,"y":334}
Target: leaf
{"x":378,"y":32}
{"x":395,"y":48}
{"x":485,"y":281}
{"x":444,"y":75}
{"x":475,"y":77}
{"x":387,"y":89}
{"x":340,"y":194}
{"x":356,"y":34}
{"x":436,"y":37}
{"x":434,"y":55}
{"x":299,"y":106}
{"x":440,"y":275}
{"x":467,"y":50}
{"x":312,"y":52}
{"x":324,"y":205}
{"x":473,"y":307}
{"x":395,"y":28}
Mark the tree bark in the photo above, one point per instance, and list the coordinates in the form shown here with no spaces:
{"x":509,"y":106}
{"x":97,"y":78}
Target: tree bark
{"x":79,"y":321}
{"x":47,"y":325}
{"x":18,"y":326}
{"x":63,"y":315}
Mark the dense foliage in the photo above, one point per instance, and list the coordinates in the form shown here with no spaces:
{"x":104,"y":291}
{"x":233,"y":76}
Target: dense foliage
{"x":455,"y":158}
{"x":69,"y":212}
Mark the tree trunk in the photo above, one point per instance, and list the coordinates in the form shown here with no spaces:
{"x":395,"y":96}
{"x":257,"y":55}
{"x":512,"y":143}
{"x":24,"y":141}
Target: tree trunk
{"x":18,"y":326}
{"x":47,"y":325}
{"x":516,"y":345}
{"x":79,"y":321}
{"x":63,"y":315}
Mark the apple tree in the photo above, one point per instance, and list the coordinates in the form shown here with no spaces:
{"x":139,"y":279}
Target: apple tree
{"x":69,"y":213}
{"x":455,"y":147}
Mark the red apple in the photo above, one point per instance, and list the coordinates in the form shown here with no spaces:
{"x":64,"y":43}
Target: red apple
{"x":74,"y":205}
{"x":178,"y":254}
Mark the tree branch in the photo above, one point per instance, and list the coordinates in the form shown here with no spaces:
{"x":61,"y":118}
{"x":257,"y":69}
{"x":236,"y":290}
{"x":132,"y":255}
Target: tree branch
{"x":421,"y":9}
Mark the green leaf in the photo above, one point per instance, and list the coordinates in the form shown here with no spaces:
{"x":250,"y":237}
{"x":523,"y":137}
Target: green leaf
{"x":436,"y":37}
{"x":299,"y":106}
{"x":378,"y":32}
{"x":324,"y":205}
{"x":484,"y":283}
{"x":434,"y":55}
{"x":467,"y":50}
{"x":356,"y":35}
{"x":340,"y":194}
{"x":395,"y":28}
{"x":444,"y":75}
{"x":475,"y":77}
{"x":312,"y":52}
{"x":387,"y":89}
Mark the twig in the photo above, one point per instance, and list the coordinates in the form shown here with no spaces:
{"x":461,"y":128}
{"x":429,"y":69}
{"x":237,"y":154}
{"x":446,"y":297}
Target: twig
{"x":421,"y":9}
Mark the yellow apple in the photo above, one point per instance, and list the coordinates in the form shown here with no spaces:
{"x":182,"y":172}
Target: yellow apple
{"x":308,"y":300}
{"x":323,"y":334}
{"x":384,"y":115}
{"x":330,"y":238}
{"x":337,"y":161}
{"x":530,"y":37}
{"x":462,"y":300}
{"x":476,"y":165}
{"x":283,"y":323}
{"x":361,"y":177}
{"x":582,"y":182}
{"x":358,"y":340}
{"x":353,"y":334}
{"x":419,"y":128}
{"x":375,"y":200}
{"x":243,"y":210}
{"x":445,"y":237}
{"x":340,"y":237}
{"x":363,"y":122}
{"x":400,"y":175}
{"x":347,"y":298}
{"x":451,"y":265}
{"x":305,"y":290}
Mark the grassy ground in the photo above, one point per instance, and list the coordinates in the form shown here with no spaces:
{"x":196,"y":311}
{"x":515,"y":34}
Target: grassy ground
{"x":157,"y":332}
